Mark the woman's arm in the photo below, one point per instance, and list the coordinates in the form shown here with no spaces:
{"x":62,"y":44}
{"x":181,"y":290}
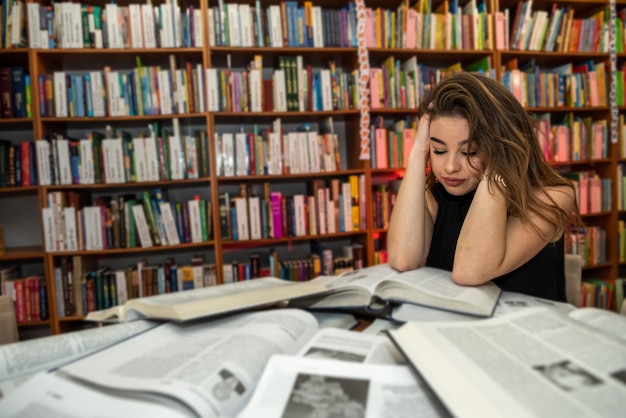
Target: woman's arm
{"x":491,"y":244}
{"x":411,"y":224}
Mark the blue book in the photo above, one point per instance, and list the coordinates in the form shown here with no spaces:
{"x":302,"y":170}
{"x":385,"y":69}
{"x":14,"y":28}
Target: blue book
{"x":88,"y":95}
{"x":174,"y":279}
{"x":80,"y":96}
{"x":131,"y":86}
{"x":233,"y":223}
{"x":18,"y":89}
{"x":259,"y":25}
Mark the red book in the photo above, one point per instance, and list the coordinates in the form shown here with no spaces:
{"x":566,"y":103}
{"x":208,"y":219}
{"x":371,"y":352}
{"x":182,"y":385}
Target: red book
{"x":26,"y":158}
{"x":20,"y":306}
{"x":6,"y":93}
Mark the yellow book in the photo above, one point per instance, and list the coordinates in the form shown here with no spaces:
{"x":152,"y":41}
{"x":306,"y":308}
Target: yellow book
{"x":378,"y":17}
{"x":394,"y":29}
{"x":354,"y":198}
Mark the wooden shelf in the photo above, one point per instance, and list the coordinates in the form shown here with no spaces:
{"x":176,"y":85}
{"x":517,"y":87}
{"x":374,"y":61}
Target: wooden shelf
{"x":22,"y":253}
{"x":140,"y":250}
{"x":273,"y":241}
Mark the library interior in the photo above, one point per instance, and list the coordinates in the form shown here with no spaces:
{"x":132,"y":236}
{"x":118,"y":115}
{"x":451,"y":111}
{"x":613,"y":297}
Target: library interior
{"x":184,"y":180}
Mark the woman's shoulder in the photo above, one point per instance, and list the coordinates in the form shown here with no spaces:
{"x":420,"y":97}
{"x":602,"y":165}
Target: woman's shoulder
{"x":564,"y":196}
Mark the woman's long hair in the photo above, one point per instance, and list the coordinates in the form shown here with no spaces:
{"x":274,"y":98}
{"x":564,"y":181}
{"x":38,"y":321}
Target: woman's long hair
{"x":505,"y":137}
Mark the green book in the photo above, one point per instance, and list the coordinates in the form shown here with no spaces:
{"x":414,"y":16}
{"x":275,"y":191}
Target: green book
{"x":150,"y":218}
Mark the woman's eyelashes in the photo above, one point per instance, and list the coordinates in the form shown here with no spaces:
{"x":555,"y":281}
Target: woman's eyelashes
{"x":465,"y":153}
{"x":470,"y":153}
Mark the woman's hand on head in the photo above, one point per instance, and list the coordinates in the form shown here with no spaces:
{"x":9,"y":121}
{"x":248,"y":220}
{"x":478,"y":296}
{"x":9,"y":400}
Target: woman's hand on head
{"x":421,"y":143}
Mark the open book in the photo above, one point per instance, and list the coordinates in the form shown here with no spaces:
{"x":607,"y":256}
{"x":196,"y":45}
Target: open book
{"x":533,"y":362}
{"x":372,"y":288}
{"x":304,"y":387}
{"x":508,"y":302}
{"x":20,"y":361}
{"x":209,"y":301}
{"x":198,"y":368}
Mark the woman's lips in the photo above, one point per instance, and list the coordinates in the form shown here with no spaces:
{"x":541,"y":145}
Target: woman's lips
{"x":453,"y":182}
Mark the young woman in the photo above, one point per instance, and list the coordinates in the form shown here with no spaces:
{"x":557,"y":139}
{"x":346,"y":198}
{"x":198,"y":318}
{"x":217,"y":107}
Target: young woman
{"x":490,"y":208}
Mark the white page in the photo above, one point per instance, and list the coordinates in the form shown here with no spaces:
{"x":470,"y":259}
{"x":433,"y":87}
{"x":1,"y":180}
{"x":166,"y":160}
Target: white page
{"x":299,"y":387}
{"x":52,"y":396}
{"x":27,"y":357}
{"x":193,"y":362}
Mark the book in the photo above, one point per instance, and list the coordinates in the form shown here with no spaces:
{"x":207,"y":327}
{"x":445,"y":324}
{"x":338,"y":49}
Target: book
{"x":60,"y":350}
{"x":508,"y":302}
{"x":290,"y":385}
{"x":374,"y":289}
{"x":453,"y":356}
{"x":229,"y":353}
{"x":209,"y":301}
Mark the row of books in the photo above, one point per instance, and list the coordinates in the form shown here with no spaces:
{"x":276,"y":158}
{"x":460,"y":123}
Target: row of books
{"x":398,"y":84}
{"x":598,"y":294}
{"x":593,"y":193}
{"x":589,"y":242}
{"x":391,"y":147}
{"x":15,"y":93}
{"x":82,"y":287}
{"x":29,"y":297}
{"x":261,"y":264}
{"x":142,"y":91}
{"x":274,"y":152}
{"x":118,"y":157}
{"x":71,"y":223}
{"x":384,"y":198}
{"x":428,"y":77}
{"x":557,"y":30}
{"x":450,"y":26}
{"x":282,"y":25}
{"x":17,"y":164}
{"x":28,"y":293}
{"x":292,"y":87}
{"x":76,"y":25}
{"x":569,"y":137}
{"x":580,"y":85}
{"x":338,"y":207}
{"x":12,"y":24}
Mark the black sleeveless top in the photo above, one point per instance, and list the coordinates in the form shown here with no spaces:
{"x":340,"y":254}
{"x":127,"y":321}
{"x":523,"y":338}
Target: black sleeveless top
{"x":542,"y":276}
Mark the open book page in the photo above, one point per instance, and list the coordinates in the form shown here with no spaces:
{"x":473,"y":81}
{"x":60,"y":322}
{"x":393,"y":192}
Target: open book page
{"x":211,"y":366}
{"x":197,"y":303}
{"x":335,"y":320}
{"x":19,"y":361}
{"x":337,"y":344}
{"x":508,"y":302}
{"x":298,"y":387}
{"x":350,"y":289}
{"x":533,"y":362}
{"x":424,"y":286}
{"x":52,"y":396}
{"x":608,"y":322}
{"x":435,"y":288}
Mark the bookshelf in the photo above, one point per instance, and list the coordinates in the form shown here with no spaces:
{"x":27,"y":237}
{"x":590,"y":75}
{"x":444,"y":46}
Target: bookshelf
{"x":226,"y":111}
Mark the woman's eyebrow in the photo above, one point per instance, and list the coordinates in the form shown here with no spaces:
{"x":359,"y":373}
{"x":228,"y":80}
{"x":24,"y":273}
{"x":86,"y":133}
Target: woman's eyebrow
{"x":439,"y":141}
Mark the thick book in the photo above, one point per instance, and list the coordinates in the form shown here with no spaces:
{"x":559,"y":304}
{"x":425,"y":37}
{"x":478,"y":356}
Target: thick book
{"x":209,"y":301}
{"x":374,"y":290}
{"x":211,"y":368}
{"x":552,"y":357}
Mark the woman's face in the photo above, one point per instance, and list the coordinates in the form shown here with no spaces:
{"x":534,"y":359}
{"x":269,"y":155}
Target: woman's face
{"x":449,"y":151}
